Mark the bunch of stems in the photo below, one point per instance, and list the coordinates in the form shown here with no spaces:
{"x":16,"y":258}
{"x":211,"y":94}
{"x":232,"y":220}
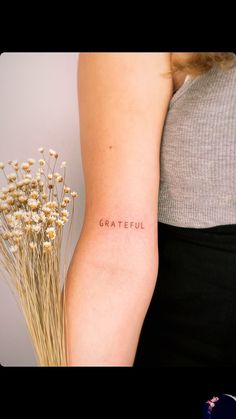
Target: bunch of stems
{"x":33,"y":213}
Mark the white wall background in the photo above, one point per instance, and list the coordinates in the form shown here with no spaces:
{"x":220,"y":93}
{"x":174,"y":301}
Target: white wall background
{"x":38,"y":107}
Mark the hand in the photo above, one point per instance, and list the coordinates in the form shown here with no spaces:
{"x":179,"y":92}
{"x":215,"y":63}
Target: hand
{"x":211,"y":403}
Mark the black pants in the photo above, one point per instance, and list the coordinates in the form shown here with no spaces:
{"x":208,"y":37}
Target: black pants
{"x":191,"y":320}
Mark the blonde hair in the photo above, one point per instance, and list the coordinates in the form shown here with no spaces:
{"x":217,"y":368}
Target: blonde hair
{"x":200,"y":62}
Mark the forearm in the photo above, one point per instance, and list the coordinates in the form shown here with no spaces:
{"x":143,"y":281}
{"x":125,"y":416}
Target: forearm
{"x":106,"y":302}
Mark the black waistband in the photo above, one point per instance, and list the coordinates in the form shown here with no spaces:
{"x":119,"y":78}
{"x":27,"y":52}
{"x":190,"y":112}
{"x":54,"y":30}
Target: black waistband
{"x":224,"y":229}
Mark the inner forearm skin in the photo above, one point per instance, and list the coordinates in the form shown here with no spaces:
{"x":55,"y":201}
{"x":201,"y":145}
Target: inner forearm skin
{"x":107,"y":299}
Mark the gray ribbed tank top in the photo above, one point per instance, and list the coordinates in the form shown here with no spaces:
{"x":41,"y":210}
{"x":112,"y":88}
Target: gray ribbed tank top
{"x":198,"y":153}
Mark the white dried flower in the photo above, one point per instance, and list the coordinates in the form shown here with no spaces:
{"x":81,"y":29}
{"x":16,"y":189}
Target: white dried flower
{"x":51,"y":233}
{"x":74,"y":194}
{"x":13,"y":249}
{"x":67,"y":189}
{"x":33,"y":204}
{"x":34,"y":183}
{"x":14,"y":163}
{"x":56,"y":174}
{"x":59,"y":222}
{"x":9,"y":218}
{"x":11,"y":177}
{"x":10,"y":200}
{"x":59,"y":179}
{"x":64,"y":219}
{"x":50,"y":176}
{"x":25,"y":166}
{"x":31,"y":161}
{"x":22,"y":198}
{"x":51,"y":219}
{"x":28,"y":176}
{"x":66,"y":200}
{"x":2,"y":196}
{"x":54,"y":214}
{"x":63,"y":204}
{"x":32,"y":245}
{"x":52,"y":204}
{"x":47,"y":246}
{"x":35,"y":218}
{"x":12,"y":187}
{"x":4,"y":206}
{"x":18,"y":214}
{"x":44,"y":196}
{"x":2,"y":165}
{"x":41,"y":149}
{"x":65,"y":213}
{"x":46,"y":210}
{"x":16,"y":194}
{"x":42,"y":163}
{"x":53,"y":153}
{"x":5,"y":190}
{"x":19,"y":184}
{"x":63,"y":164}
{"x":34,"y":194}
{"x":26,"y":181}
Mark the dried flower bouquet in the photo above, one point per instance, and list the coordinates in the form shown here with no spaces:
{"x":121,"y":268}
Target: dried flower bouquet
{"x":33,"y":213}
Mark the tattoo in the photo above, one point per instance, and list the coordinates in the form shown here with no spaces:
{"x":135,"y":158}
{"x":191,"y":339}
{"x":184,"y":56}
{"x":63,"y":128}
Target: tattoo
{"x":121,"y":224}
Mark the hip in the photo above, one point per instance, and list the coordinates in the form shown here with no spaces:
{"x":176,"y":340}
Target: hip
{"x":191,"y":320}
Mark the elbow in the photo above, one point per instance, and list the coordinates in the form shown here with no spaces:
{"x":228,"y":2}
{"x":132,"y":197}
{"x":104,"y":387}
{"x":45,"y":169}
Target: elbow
{"x":126,"y":262}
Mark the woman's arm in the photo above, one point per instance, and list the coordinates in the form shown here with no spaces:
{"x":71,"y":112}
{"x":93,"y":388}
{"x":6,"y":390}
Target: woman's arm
{"x":123,"y":100}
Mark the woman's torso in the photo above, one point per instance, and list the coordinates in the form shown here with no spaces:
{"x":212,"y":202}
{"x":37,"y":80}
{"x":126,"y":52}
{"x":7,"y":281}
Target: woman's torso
{"x":198,"y":153}
{"x":191,"y":320}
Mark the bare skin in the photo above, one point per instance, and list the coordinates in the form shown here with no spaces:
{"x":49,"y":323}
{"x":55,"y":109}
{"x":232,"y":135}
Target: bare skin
{"x":123,"y":100}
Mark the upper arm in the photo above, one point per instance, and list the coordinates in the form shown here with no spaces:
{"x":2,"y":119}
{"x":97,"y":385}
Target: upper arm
{"x":123,"y":100}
